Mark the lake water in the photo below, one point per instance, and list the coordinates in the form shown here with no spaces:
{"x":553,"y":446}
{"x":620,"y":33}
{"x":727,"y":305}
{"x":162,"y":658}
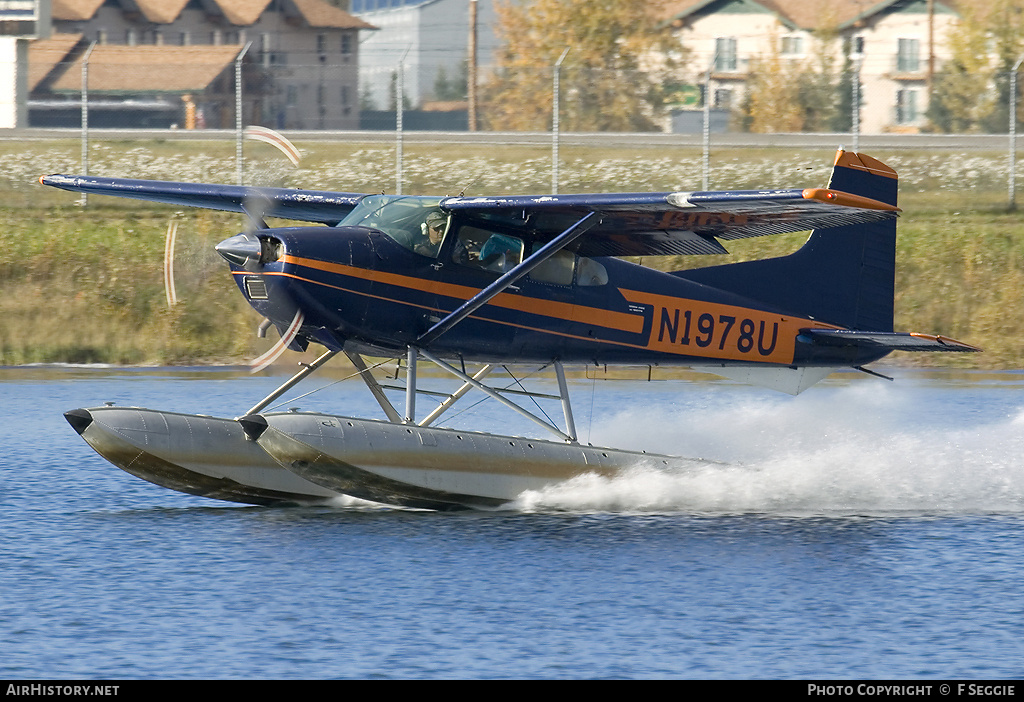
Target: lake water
{"x":864,"y":529}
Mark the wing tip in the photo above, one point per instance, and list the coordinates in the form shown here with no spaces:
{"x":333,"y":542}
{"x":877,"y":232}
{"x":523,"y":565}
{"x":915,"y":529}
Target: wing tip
{"x":838,"y":197}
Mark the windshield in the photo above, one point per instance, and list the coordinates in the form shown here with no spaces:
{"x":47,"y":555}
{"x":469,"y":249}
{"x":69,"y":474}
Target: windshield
{"x":404,"y":219}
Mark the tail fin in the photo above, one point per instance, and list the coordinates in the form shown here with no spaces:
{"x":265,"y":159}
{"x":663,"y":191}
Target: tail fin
{"x":842,"y":275}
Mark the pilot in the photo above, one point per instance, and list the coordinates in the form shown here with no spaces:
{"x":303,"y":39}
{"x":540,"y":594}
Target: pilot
{"x":433,"y":232}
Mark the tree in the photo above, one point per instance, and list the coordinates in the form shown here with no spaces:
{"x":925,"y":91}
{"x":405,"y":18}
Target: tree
{"x":971,"y":91}
{"x":790,"y":95}
{"x":446,"y":88}
{"x":611,"y":76}
{"x":961,"y":96}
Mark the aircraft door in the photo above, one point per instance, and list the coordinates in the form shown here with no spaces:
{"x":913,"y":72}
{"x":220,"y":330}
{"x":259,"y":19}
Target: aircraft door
{"x":472,"y":258}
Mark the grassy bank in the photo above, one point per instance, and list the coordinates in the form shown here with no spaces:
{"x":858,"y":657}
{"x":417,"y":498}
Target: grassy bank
{"x":85,"y":284}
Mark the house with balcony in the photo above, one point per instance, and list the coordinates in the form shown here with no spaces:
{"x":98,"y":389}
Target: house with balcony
{"x":158,"y":61}
{"x":896,"y":46}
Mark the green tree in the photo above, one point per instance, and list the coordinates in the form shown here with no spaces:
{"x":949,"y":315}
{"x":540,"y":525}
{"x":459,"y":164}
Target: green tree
{"x":971,"y":91}
{"x":455,"y":88}
{"x":619,"y":56}
{"x":1006,"y":22}
{"x":962,"y":97}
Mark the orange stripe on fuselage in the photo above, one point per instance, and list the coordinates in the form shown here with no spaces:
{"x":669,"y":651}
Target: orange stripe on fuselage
{"x":621,"y":321}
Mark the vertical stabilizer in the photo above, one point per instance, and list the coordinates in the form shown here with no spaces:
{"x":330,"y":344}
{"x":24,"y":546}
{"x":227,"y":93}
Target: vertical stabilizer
{"x":842,"y":275}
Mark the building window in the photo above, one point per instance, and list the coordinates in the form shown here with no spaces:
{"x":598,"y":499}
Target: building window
{"x":725,"y":54}
{"x":722,"y":99}
{"x":792,"y":45}
{"x":321,"y":44}
{"x":906,"y":106}
{"x":346,"y":43}
{"x":908,"y":56}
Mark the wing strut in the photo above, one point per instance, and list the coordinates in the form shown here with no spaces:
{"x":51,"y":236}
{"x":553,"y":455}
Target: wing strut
{"x":532,"y":261}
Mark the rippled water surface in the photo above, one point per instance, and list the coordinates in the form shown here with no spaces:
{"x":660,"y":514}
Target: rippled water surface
{"x":864,"y":529}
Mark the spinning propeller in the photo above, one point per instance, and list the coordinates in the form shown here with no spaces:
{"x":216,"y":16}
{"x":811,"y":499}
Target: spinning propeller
{"x":245,"y":249}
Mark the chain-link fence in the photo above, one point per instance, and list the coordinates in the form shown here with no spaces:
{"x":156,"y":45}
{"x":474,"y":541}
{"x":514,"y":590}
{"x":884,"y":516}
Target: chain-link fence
{"x":546,"y":130}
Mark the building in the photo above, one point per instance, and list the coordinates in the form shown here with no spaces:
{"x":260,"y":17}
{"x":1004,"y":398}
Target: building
{"x":177,"y":58}
{"x":430,"y":38}
{"x":896,"y":45}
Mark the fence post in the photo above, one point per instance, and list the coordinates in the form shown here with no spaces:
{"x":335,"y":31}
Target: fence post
{"x":85,"y":118}
{"x":858,"y":60}
{"x":1012,"y":185}
{"x":239,"y":164}
{"x":399,"y":145}
{"x":706,"y":157}
{"x":471,"y":78}
{"x":556,"y":107}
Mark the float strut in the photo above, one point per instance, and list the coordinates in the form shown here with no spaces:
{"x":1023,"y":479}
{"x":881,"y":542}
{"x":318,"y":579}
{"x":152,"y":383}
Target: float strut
{"x":291,"y":382}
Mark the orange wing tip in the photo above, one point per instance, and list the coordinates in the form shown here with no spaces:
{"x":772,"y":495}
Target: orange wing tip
{"x":837,"y":197}
{"x":946,"y":341}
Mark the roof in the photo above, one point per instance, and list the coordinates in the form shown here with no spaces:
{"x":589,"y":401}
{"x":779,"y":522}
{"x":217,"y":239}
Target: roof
{"x":45,"y":54}
{"x":803,"y":14}
{"x":147,"y":69}
{"x":241,"y":13}
{"x":161,"y":11}
{"x":74,"y":9}
{"x":318,"y":13}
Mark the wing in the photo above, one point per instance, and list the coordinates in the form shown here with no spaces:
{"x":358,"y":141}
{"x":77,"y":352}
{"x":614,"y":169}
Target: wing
{"x":651,"y":224}
{"x":303,"y":205}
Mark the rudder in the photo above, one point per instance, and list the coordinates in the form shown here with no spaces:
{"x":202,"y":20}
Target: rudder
{"x":841,"y":275}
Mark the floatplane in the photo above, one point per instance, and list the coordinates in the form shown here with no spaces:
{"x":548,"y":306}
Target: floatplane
{"x":470,"y":283}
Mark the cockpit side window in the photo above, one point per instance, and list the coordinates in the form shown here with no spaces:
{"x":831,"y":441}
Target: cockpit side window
{"x":557,"y":270}
{"x":417,"y":223}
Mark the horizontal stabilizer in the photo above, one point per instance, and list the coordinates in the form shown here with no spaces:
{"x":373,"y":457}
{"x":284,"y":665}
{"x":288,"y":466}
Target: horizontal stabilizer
{"x":890,"y":341}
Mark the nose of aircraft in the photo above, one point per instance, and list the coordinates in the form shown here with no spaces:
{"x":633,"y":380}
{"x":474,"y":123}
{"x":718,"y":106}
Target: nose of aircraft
{"x":242,"y":250}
